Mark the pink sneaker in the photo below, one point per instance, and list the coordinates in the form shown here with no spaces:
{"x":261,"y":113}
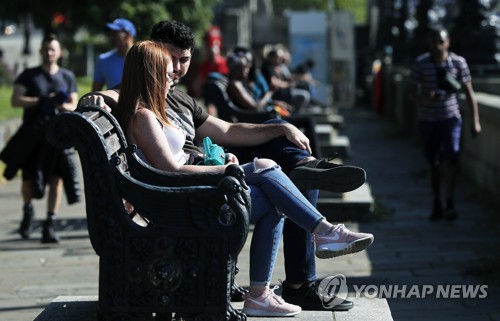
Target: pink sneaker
{"x":269,"y":305}
{"x":340,"y":241}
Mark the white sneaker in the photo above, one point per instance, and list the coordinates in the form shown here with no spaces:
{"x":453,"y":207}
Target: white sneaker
{"x":340,"y":241}
{"x":269,"y":304}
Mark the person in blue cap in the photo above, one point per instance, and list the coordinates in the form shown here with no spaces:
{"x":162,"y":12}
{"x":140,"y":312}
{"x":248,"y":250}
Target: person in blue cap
{"x":109,"y":65}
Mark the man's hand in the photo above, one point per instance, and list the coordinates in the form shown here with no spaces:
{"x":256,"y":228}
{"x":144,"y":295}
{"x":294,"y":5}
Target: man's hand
{"x":94,"y":101}
{"x":297,"y":137}
{"x":476,"y":128}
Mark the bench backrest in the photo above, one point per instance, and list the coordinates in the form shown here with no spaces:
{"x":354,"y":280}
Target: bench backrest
{"x":112,"y":168}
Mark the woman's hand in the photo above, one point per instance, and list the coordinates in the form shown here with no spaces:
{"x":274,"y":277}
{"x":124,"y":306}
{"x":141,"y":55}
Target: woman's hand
{"x":94,"y":101}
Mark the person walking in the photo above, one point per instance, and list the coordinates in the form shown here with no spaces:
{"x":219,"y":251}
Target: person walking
{"x":436,"y":79}
{"x":109,"y":65}
{"x":42,"y":92}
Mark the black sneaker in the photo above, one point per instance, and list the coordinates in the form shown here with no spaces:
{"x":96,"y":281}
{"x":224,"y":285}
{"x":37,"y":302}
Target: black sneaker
{"x":307,"y":297}
{"x":25,"y":227}
{"x":323,"y":174}
{"x":48,"y":232}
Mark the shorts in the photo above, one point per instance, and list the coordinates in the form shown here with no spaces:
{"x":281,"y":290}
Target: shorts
{"x":441,"y":139}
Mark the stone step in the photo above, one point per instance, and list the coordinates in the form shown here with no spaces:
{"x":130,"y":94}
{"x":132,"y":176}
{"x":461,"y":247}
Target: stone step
{"x":356,"y":205}
{"x":304,"y":315}
{"x":325,"y":132}
{"x":338,"y":144}
{"x":376,"y":309}
{"x":84,"y":308}
{"x":335,"y":120}
{"x":364,"y":309}
{"x":326,"y":117}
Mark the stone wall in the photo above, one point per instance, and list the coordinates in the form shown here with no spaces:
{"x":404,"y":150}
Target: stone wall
{"x":481,"y":157}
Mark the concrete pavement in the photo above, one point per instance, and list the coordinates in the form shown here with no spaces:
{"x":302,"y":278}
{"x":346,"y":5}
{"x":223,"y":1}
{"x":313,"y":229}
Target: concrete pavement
{"x":408,"y":249}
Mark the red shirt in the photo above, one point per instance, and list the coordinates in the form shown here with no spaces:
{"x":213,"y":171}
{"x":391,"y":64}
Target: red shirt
{"x":210,"y":66}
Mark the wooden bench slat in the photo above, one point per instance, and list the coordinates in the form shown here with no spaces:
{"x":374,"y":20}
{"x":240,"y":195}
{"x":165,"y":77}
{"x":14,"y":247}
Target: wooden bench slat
{"x":113,"y":143}
{"x":92,"y":115}
{"x":104,"y":125}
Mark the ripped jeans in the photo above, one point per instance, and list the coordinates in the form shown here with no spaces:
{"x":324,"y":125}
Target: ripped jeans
{"x":273,"y":197}
{"x":298,"y":250}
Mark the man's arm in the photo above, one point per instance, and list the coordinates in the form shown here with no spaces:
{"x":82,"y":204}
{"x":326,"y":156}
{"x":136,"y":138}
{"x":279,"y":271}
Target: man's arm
{"x":240,"y":96}
{"x":70,"y":104}
{"x":474,"y":110}
{"x":416,"y":95}
{"x":221,"y":132}
{"x":19,"y":98}
{"x":245,"y":134}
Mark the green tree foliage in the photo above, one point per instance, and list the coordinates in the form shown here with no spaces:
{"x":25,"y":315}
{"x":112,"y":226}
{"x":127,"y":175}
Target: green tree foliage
{"x":357,"y":7}
{"x":66,"y":17}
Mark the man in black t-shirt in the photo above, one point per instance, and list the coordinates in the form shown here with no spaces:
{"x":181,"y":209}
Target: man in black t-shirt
{"x":42,"y":92}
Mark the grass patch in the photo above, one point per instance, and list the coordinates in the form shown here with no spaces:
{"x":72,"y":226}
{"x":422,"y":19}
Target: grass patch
{"x":84,"y":85}
{"x":8,"y":112}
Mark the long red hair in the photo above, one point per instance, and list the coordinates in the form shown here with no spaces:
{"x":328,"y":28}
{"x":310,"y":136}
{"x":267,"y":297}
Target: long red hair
{"x":144,"y":81}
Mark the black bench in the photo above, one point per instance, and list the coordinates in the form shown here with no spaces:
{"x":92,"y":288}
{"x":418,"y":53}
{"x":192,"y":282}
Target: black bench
{"x":175,"y":253}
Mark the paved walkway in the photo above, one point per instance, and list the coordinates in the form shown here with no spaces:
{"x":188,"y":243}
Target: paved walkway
{"x":408,"y":250}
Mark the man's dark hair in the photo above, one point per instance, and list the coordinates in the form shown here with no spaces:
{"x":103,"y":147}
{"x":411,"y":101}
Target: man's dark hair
{"x":49,"y":37}
{"x":173,"y":33}
{"x":252,"y":73}
{"x":436,"y":32}
{"x":273,"y":53}
{"x":240,"y":49}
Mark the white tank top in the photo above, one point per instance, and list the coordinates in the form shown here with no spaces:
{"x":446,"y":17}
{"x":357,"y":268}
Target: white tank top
{"x":176,"y":138}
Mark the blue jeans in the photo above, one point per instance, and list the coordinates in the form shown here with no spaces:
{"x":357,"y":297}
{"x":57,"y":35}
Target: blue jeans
{"x":298,"y":248}
{"x":273,"y":193}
